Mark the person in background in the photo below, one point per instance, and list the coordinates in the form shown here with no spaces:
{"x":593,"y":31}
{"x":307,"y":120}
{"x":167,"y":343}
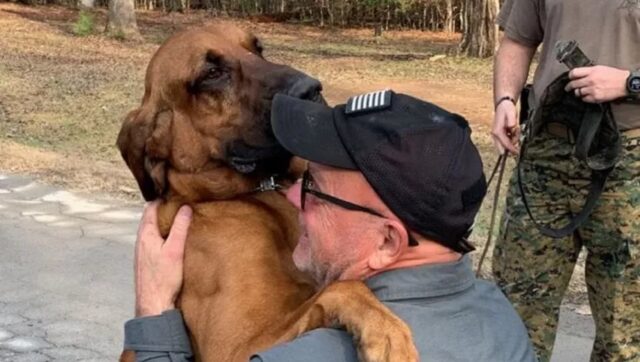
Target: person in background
{"x":534,"y":270}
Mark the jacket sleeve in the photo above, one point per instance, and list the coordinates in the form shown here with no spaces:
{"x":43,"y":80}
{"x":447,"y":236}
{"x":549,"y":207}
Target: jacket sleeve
{"x":319,"y":345}
{"x":161,"y":338}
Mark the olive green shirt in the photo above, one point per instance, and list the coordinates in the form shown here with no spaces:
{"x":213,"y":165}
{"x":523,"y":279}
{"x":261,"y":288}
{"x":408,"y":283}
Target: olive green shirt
{"x":607,"y":31}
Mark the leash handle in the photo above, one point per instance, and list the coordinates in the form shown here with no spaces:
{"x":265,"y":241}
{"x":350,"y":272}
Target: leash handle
{"x":500,"y":165}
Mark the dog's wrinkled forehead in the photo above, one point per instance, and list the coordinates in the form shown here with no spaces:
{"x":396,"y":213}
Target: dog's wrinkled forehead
{"x":185,"y":56}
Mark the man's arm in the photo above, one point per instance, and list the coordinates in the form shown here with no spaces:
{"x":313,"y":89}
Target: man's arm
{"x":158,"y":332}
{"x":510,"y":72}
{"x":319,"y":345}
{"x":159,"y":338}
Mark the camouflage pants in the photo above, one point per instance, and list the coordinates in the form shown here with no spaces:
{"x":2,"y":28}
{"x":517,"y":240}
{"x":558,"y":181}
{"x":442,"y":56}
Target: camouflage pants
{"x":534,"y":270}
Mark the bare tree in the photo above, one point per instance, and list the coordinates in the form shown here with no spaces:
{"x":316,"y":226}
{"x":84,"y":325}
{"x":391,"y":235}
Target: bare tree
{"x":480,"y":33}
{"x":122,"y":20}
{"x":87,"y":4}
{"x":448,"y":20}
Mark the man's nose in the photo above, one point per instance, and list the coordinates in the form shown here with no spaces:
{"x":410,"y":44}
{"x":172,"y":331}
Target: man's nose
{"x":293,"y":194}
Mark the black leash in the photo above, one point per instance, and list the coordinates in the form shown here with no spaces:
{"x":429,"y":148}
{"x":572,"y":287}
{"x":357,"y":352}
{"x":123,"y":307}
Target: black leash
{"x":598,"y":179}
{"x":500,"y":165}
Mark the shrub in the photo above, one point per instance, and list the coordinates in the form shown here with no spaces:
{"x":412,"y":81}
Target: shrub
{"x":84,"y":25}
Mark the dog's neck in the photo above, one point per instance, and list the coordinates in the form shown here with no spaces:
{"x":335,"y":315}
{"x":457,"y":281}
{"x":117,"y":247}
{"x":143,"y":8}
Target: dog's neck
{"x":218,"y":184}
{"x":172,"y":201}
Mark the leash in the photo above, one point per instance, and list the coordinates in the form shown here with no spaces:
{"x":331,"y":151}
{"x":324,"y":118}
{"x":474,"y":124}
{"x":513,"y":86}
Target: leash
{"x":500,"y":165}
{"x":598,"y":179}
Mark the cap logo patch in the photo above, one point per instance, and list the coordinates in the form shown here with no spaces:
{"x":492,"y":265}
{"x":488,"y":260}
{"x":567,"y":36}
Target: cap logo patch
{"x":369,"y":102}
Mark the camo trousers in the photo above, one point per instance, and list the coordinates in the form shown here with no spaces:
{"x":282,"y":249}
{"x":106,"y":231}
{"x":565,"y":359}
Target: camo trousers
{"x":534,"y":270}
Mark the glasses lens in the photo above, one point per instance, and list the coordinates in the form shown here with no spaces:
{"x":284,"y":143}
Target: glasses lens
{"x":303,"y":188}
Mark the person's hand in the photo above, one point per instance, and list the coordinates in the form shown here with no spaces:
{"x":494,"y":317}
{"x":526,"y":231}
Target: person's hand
{"x":158,"y":263}
{"x":505,"y":131}
{"x":598,"y":83}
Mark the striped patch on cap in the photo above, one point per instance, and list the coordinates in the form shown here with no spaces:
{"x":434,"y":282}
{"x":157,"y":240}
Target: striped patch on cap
{"x":369,"y":102}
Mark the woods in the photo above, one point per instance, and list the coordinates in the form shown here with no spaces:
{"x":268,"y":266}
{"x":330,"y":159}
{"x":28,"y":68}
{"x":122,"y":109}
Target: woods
{"x":473,"y":18}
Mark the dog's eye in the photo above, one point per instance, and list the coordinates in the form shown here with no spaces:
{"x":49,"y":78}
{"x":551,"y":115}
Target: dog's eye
{"x":214,"y":76}
{"x":214,"y":72}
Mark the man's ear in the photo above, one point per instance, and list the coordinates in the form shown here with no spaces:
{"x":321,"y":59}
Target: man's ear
{"x":390,"y":245}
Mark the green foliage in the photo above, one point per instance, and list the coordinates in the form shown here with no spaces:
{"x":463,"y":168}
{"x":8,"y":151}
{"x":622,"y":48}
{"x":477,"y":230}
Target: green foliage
{"x":118,"y":35}
{"x":84,"y":25}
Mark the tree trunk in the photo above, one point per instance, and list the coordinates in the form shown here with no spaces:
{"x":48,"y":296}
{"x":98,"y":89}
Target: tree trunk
{"x":448,"y":22}
{"x":463,"y":17}
{"x":423,"y":23}
{"x":388,"y":17}
{"x":479,"y":38}
{"x":122,"y":20}
{"x":87,"y":4}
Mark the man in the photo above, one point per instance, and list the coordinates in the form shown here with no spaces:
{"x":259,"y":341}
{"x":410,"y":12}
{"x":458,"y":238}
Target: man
{"x":392,"y":189}
{"x":532,"y":269}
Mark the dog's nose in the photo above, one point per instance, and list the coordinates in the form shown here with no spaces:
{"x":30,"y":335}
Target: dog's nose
{"x":306,"y":88}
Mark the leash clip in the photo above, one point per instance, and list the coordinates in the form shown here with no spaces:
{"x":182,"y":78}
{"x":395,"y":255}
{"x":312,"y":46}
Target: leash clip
{"x":268,"y":184}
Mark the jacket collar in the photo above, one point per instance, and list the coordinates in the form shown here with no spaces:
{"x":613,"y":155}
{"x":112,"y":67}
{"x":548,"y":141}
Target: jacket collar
{"x":432,"y":280}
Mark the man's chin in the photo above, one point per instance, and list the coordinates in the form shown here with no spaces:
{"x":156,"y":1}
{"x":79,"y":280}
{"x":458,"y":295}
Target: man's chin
{"x":303,"y":260}
{"x":301,"y":256}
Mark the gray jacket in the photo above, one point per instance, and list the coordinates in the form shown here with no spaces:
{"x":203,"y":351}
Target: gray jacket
{"x":453,"y":317}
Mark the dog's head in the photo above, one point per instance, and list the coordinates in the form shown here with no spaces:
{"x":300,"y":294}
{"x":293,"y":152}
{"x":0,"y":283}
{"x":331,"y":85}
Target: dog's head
{"x":203,"y":129}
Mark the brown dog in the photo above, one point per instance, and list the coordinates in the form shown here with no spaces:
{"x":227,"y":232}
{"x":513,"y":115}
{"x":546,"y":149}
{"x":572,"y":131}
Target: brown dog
{"x":202,"y":136}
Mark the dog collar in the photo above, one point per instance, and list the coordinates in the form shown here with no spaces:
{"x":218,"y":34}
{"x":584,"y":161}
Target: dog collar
{"x":268,"y":184}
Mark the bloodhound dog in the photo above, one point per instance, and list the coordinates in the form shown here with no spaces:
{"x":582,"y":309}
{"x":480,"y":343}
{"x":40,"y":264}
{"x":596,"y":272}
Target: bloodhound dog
{"x":202,"y":137}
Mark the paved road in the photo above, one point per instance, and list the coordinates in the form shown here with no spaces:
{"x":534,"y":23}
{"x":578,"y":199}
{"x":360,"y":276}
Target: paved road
{"x":66,"y":277}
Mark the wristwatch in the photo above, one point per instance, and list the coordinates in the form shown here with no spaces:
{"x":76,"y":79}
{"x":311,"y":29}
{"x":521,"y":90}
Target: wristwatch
{"x":633,"y":84}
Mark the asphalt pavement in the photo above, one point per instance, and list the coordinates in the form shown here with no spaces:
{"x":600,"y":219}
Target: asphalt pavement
{"x":66,"y":277}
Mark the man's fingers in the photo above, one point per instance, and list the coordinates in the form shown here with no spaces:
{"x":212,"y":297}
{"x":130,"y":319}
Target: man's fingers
{"x":590,"y":99}
{"x":178,"y":233}
{"x":504,"y":125}
{"x":579,"y":72}
{"x":502,"y":142}
{"x":515,"y":135}
{"x":510,"y":134}
{"x":149,"y":221}
{"x":576,"y":84}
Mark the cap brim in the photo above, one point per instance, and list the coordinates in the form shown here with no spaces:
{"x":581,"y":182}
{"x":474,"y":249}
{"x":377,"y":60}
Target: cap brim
{"x":307,"y":130}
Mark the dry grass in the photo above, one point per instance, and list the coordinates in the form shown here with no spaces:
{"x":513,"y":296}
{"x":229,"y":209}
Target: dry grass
{"x":66,"y":94}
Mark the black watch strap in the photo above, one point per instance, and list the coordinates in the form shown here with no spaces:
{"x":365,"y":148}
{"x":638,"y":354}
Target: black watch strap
{"x":633,"y":84}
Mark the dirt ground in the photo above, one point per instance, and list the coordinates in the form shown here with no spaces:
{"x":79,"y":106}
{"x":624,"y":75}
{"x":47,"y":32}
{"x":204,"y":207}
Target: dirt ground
{"x":63,"y":97}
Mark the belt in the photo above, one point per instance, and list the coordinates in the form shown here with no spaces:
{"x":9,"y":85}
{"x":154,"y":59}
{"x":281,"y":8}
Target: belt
{"x":562,"y":131}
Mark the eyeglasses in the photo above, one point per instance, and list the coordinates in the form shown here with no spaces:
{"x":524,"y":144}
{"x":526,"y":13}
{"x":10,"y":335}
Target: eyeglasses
{"x":307,"y":187}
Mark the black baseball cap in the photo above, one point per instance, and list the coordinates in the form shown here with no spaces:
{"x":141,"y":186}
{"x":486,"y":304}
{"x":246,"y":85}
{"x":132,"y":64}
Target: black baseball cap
{"x":418,"y":157}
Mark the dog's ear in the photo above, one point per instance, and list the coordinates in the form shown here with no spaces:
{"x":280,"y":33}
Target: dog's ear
{"x":145,"y":144}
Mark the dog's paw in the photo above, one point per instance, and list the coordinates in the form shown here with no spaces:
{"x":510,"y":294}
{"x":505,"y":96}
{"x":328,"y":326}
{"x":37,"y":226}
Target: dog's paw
{"x":388,"y":341}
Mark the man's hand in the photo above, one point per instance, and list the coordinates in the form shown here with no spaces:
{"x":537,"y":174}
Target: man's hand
{"x":505,"y":131}
{"x":598,"y":83}
{"x":158,"y":263}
